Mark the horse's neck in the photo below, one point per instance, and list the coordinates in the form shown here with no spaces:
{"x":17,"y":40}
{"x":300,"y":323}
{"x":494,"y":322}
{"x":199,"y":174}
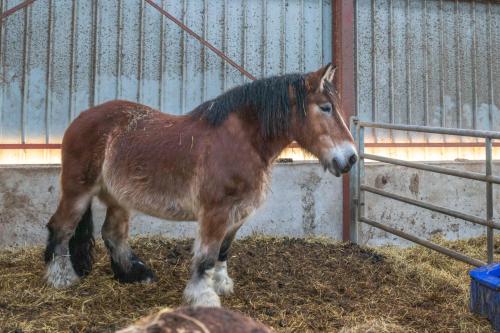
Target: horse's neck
{"x":269,"y":149}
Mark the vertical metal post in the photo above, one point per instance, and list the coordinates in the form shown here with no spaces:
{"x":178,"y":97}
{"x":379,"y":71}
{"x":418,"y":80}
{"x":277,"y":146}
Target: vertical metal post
{"x":354,"y":187}
{"x":361,"y":175}
{"x":489,"y":199}
{"x":343,"y":37}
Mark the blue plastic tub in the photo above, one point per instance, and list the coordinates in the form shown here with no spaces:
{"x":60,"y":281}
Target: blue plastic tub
{"x":485,"y":293}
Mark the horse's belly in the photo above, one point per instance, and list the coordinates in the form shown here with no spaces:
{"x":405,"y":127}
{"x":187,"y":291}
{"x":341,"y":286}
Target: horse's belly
{"x":164,"y":205}
{"x":168,"y":210}
{"x":171,"y":211}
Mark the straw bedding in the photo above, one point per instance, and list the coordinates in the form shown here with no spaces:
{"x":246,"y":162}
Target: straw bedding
{"x":293,"y":285}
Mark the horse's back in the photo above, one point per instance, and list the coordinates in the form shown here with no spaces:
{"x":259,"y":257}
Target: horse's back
{"x":85,"y":141}
{"x":99,"y":120}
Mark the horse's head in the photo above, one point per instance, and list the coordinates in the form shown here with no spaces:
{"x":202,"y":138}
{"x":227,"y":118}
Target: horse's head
{"x":322,"y":130}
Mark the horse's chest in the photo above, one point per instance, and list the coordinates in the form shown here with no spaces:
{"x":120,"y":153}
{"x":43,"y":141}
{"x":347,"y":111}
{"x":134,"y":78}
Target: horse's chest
{"x":251,"y":200}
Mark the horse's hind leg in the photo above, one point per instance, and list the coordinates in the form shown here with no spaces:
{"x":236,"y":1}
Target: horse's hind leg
{"x":127,"y":267}
{"x":68,"y":254}
{"x":200,"y":289}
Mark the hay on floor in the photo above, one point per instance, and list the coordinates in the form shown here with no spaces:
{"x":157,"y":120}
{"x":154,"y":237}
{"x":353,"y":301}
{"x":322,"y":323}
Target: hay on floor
{"x":292,"y":285}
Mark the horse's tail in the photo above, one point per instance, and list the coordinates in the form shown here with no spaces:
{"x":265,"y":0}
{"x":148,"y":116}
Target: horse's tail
{"x":81,"y":245}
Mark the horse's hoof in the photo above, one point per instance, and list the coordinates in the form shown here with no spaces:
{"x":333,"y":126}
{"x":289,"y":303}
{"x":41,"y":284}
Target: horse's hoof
{"x":138,"y":272}
{"x":223,"y":284}
{"x":206,"y":298}
{"x":200,"y":294}
{"x":60,"y":273}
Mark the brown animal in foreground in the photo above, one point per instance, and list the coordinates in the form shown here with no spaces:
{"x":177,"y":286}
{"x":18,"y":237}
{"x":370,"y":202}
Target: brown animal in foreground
{"x":211,"y":165}
{"x":197,"y":320}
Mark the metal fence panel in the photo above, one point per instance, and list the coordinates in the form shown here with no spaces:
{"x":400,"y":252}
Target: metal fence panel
{"x":58,"y":57}
{"x":361,"y":186}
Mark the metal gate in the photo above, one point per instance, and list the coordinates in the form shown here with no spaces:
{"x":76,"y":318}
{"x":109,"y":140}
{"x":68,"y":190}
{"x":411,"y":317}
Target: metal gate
{"x":359,"y":187}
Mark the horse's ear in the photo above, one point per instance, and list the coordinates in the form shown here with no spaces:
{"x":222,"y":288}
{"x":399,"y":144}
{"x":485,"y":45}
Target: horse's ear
{"x":328,"y":75}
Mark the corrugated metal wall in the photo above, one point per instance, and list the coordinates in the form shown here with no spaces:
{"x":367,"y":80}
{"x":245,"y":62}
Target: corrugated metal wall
{"x":59,"y":57}
{"x":428,"y":62}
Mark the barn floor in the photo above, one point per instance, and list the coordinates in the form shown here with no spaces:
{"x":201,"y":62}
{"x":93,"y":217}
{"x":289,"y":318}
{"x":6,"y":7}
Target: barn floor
{"x":292,"y":285}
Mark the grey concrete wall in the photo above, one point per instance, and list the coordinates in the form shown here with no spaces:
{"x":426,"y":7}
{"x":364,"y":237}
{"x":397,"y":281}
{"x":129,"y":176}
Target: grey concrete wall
{"x":464,"y":195}
{"x":303,"y":201}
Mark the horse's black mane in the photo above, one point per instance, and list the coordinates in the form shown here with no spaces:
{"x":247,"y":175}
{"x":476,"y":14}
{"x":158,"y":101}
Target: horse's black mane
{"x":269,"y":98}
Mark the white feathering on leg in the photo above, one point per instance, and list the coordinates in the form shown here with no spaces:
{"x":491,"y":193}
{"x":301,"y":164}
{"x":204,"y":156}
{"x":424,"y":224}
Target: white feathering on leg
{"x":200,"y":292}
{"x":223,"y":284}
{"x":60,"y":272}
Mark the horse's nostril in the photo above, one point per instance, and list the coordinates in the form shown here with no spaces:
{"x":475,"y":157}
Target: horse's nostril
{"x":336,"y":164}
{"x":353,"y":159}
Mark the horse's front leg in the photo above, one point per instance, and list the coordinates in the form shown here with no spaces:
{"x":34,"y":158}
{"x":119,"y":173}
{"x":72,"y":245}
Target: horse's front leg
{"x":212,"y":230}
{"x":223,"y":284}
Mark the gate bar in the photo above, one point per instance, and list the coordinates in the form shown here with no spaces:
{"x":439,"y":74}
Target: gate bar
{"x":439,"y":209}
{"x":489,"y":200}
{"x":424,"y":242}
{"x":435,"y":130}
{"x":427,"y":167}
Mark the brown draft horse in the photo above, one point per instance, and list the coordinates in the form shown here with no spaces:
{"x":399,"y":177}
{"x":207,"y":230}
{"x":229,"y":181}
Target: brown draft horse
{"x":211,"y":165}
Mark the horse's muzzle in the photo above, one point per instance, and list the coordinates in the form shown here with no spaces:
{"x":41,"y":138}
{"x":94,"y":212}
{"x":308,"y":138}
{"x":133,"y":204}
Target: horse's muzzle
{"x":342,"y":160}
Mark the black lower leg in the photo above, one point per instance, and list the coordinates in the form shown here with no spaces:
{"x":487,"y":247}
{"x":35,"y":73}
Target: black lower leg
{"x":81,"y":245}
{"x":52,"y":242}
{"x":224,"y":248}
{"x":224,"y":251}
{"x":127,"y":267}
{"x":204,"y":264}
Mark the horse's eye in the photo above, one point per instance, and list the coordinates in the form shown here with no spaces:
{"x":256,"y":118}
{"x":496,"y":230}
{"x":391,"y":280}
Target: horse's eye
{"x":326,"y":108}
